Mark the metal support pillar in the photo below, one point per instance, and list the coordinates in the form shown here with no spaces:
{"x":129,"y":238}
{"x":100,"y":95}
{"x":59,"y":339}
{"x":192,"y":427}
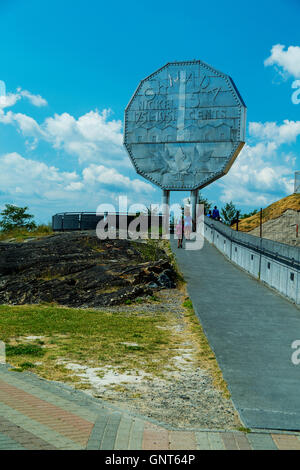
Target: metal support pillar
{"x":194,"y":201}
{"x":166,"y":197}
{"x":166,"y":213}
{"x":260,"y":222}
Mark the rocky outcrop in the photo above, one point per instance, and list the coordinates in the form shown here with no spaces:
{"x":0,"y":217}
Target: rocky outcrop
{"x":78,"y":270}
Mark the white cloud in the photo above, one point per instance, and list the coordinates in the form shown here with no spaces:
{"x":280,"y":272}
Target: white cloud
{"x":288,"y":60}
{"x":91,"y":138}
{"x":59,"y":129}
{"x":94,"y":139}
{"x":27,"y":125}
{"x":75,"y":186}
{"x":30,"y":182}
{"x":259,"y":176}
{"x":111,"y":177}
{"x":94,"y":126}
{"x":30,"y":177}
{"x":10,"y":99}
{"x":35,"y":100}
{"x":275,"y":134}
{"x":263,"y":173}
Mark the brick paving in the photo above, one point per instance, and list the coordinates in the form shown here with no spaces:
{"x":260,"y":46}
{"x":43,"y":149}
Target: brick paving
{"x":36,"y":414}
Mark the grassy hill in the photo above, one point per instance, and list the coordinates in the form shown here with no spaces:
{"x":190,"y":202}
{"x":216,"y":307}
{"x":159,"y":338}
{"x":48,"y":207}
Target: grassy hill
{"x":273,"y":211}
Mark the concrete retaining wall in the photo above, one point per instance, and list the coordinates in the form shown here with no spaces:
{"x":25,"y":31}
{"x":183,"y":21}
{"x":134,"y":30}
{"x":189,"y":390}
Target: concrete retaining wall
{"x":275,"y":264}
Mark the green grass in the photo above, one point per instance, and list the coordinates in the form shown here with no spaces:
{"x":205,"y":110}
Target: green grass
{"x":33,"y":350}
{"x":129,"y":340}
{"x":22,"y":234}
{"x":86,"y":336}
{"x":150,"y":250}
{"x":24,"y":366}
{"x":245,"y":430}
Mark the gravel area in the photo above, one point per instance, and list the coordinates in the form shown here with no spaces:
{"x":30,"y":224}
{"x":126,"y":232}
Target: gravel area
{"x":188,"y":400}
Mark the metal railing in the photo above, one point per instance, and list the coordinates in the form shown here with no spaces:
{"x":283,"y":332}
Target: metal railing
{"x":270,"y":248}
{"x":72,"y":221}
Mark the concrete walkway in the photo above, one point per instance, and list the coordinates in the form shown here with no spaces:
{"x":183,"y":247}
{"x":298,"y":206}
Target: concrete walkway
{"x":36,"y":414}
{"x":251,"y":329}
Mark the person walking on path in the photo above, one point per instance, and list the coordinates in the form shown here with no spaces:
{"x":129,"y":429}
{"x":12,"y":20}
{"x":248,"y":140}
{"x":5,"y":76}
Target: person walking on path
{"x":179,"y":233}
{"x":187,"y":224}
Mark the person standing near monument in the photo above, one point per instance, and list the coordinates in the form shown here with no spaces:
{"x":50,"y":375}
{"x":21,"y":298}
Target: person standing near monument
{"x":179,"y":233}
{"x":187,"y":224}
{"x":216,"y":213}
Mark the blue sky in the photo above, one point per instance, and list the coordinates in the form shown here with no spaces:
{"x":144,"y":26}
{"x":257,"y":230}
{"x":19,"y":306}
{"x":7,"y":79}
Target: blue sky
{"x":70,"y":68}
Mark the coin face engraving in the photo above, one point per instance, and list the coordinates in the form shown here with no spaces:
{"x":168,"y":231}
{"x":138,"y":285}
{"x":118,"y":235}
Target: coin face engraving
{"x":185,"y":126}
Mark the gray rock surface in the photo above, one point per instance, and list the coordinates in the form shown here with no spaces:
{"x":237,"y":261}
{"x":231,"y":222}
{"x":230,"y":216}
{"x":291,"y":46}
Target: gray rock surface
{"x":76,"y":269}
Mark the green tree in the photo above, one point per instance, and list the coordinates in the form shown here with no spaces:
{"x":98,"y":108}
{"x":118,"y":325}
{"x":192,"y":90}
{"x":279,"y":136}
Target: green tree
{"x":245,"y":216}
{"x":228,"y":212}
{"x":16,"y":217}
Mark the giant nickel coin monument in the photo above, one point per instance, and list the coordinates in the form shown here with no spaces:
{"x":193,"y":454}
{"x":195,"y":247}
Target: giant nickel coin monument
{"x":184,"y":127}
